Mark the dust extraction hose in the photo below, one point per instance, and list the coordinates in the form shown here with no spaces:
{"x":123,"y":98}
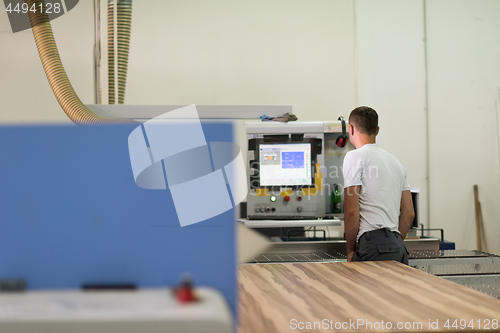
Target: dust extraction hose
{"x":123,"y":10}
{"x":111,"y":52}
{"x":58,"y":80}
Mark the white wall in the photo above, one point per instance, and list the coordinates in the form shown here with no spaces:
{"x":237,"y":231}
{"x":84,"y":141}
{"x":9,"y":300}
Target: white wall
{"x":463,"y":67}
{"x":464,"y":82}
{"x":244,"y":52}
{"x":194,"y":51}
{"x":303,"y":53}
{"x":391,"y":79}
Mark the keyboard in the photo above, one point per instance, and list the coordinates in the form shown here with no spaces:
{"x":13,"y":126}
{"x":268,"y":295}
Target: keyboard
{"x":281,"y":217}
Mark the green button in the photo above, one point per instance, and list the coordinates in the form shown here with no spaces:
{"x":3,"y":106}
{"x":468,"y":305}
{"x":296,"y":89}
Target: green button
{"x":273,"y":198}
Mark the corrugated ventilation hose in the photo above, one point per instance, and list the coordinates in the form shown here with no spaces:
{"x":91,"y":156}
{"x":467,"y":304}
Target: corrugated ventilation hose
{"x":111,"y":52}
{"x":123,"y":10}
{"x":58,"y":80}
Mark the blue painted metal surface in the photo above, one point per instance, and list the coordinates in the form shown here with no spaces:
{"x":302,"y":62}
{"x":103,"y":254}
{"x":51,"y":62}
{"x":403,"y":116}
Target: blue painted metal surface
{"x":71,"y":213}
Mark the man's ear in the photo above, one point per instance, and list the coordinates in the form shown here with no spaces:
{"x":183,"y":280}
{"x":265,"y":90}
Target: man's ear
{"x":378,"y":129}
{"x":351,"y":130}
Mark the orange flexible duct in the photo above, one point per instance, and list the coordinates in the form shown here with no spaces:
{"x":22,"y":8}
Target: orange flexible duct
{"x":58,"y":80}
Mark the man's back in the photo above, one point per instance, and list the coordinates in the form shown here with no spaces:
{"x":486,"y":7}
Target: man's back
{"x":382,"y":179}
{"x":378,"y":209}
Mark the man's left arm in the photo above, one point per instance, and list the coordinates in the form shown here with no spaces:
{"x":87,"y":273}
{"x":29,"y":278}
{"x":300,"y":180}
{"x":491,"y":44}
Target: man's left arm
{"x":351,"y":218}
{"x":407,"y":213}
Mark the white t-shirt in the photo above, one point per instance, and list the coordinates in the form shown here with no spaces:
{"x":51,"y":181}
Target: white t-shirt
{"x":382,"y":179}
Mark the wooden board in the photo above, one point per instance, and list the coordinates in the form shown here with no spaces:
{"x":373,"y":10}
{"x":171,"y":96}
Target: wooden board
{"x":279,"y":297}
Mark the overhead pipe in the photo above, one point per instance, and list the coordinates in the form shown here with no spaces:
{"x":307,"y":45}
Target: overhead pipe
{"x":97,"y":51}
{"x":124,"y":24}
{"x":111,"y":52}
{"x":118,"y":57}
{"x":56,"y":75}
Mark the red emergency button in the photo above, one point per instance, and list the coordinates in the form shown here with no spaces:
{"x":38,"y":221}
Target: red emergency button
{"x":286,"y":198}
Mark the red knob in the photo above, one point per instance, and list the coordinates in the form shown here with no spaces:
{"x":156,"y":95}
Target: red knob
{"x":299,"y":198}
{"x":184,"y":294}
{"x":287,"y":198}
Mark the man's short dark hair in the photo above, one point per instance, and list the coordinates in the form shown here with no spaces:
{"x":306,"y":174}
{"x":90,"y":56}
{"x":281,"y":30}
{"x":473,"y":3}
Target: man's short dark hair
{"x":365,"y":119}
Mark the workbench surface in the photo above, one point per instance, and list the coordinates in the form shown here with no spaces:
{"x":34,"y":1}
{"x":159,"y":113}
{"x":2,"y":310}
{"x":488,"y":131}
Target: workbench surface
{"x":352,"y":296}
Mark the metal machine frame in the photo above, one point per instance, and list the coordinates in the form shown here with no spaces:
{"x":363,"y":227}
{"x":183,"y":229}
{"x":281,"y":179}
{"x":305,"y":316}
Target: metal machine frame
{"x":296,"y":202}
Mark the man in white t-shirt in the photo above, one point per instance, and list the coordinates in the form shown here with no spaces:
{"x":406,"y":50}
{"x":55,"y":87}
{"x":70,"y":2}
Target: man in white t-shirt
{"x":378,"y":208}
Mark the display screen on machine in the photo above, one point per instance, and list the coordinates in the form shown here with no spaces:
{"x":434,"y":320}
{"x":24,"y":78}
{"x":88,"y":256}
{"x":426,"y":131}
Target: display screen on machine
{"x":285,"y":164}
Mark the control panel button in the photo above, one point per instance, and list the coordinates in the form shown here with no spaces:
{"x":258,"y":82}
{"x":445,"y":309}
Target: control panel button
{"x":286,"y":198}
{"x":268,"y":209}
{"x":262,"y":209}
{"x":257,"y":209}
{"x":299,"y":209}
{"x":299,"y":198}
{"x":273,"y":198}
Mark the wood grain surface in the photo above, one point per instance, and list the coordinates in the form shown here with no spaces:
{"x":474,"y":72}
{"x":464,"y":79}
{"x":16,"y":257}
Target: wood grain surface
{"x":326,"y":297}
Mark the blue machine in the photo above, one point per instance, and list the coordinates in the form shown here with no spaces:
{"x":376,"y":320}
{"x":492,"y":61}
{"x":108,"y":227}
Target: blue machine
{"x":71,"y":214}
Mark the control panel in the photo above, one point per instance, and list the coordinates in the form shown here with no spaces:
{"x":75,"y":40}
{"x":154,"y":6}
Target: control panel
{"x":293,"y":169}
{"x":284,"y":203}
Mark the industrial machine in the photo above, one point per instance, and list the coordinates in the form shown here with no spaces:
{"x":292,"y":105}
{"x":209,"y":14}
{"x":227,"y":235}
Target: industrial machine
{"x":295,"y":173}
{"x":295,"y":170}
{"x":295,"y":180}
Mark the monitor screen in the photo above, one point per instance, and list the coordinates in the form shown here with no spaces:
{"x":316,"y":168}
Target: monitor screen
{"x":285,"y":164}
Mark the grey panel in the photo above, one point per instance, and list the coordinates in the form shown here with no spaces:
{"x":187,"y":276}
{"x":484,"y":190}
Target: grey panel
{"x":303,"y":252}
{"x":492,"y":290}
{"x":470,"y":280}
{"x":299,"y":257}
{"x":204,"y":111}
{"x":477,"y":270}
{"x":424,"y":244}
{"x":447,"y":254}
{"x":464,"y":269}
{"x":486,"y":284}
{"x":313,"y":251}
{"x":452,"y":261}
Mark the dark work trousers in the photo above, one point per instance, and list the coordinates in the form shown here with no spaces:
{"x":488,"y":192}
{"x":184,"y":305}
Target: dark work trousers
{"x":381,"y":245}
